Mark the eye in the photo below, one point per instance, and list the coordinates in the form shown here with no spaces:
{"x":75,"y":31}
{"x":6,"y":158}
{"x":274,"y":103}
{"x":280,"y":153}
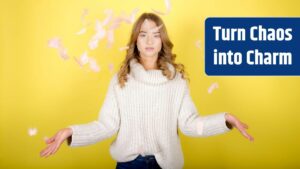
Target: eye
{"x":157,"y":35}
{"x":142,"y":35}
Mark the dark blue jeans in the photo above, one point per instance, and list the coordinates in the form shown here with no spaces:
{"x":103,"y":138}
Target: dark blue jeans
{"x":147,"y":162}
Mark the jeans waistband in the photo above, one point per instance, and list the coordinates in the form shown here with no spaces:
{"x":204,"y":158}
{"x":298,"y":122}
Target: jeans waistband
{"x":146,"y":157}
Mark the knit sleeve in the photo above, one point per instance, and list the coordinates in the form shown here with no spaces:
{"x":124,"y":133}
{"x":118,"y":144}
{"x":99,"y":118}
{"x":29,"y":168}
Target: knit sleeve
{"x":191,"y":124}
{"x":106,"y":125}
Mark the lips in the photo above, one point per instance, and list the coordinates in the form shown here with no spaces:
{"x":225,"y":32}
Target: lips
{"x":149,"y":48}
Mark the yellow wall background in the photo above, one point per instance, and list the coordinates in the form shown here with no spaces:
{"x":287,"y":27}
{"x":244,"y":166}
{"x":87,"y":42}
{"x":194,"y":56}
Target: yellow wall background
{"x":39,"y":89}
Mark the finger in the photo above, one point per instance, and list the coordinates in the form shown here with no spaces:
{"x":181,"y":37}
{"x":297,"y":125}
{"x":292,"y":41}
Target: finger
{"x":244,"y":125}
{"x":50,"y":140}
{"x":239,"y":126}
{"x":55,"y":149}
{"x":42,"y":153}
{"x":251,"y":138}
{"x":242,"y":130}
{"x":248,"y":136}
{"x":49,"y":152}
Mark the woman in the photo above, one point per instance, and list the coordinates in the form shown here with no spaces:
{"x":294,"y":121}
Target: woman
{"x":146,"y":103}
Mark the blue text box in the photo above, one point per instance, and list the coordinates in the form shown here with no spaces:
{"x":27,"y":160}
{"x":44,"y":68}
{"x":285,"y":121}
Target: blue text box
{"x":252,"y":46}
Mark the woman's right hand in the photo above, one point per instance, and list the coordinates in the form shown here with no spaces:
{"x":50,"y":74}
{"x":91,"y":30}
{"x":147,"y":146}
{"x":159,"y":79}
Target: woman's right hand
{"x":55,"y":142}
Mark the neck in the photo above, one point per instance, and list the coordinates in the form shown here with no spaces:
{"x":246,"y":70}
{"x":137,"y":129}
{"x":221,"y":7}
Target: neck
{"x":149,"y":63}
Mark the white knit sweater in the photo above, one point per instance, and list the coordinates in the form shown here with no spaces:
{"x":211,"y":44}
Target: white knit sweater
{"x":146,"y":115}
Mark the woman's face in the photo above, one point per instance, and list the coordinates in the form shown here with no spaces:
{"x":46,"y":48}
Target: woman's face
{"x":149,"y":42}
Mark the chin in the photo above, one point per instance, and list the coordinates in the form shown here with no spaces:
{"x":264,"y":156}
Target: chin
{"x":150,"y":54}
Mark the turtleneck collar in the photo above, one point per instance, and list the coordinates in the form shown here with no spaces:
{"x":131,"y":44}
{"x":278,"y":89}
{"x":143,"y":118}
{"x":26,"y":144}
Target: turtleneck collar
{"x":154,"y":77}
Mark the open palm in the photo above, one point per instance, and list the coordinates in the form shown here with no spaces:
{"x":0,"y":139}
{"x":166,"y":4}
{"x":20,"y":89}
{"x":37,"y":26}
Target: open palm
{"x":55,"y":142}
{"x":235,"y":122}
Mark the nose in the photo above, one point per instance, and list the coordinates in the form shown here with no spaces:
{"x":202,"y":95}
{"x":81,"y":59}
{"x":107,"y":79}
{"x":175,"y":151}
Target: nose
{"x":149,"y":40}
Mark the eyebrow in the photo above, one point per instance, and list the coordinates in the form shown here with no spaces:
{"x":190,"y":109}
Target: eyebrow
{"x":146,"y":32}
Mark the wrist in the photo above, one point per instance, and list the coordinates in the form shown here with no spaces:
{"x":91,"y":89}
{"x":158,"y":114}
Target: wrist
{"x":227,"y":121}
{"x":69,"y":131}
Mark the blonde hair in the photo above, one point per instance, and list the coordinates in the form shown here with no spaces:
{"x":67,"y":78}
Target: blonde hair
{"x":164,"y":56}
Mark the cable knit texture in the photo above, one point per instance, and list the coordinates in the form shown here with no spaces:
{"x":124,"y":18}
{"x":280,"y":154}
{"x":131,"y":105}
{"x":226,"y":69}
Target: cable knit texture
{"x":146,"y":115}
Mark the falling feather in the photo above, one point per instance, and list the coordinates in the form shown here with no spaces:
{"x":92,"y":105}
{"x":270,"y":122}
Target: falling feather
{"x":212,"y":87}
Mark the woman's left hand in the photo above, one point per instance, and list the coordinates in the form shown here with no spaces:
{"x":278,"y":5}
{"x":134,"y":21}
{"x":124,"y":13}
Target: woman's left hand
{"x":235,"y":122}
